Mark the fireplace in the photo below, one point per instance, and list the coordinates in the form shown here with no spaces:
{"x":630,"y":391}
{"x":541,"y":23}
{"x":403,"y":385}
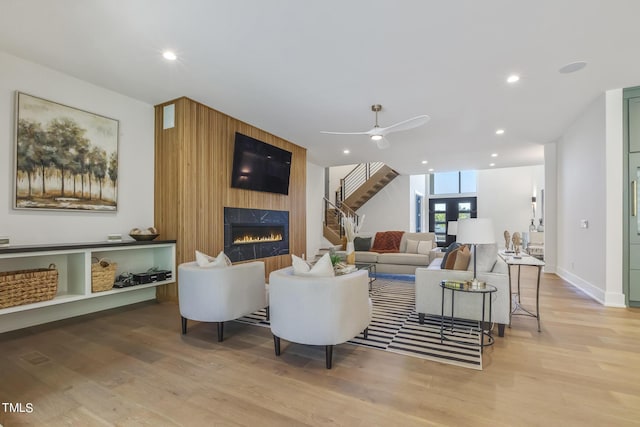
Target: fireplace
{"x":255,"y":233}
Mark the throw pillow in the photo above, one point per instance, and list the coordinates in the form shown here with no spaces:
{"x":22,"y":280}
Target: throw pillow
{"x":450,"y":248}
{"x":204,"y":260}
{"x":462,"y":258}
{"x":412,"y":246}
{"x":299,"y":265}
{"x":387,"y":241}
{"x":362,"y":243}
{"x":425,"y":246}
{"x":322,"y":268}
{"x":451,"y":259}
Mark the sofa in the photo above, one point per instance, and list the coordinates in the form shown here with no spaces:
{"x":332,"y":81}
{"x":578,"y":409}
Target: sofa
{"x":490,"y":269}
{"x":402,"y":258}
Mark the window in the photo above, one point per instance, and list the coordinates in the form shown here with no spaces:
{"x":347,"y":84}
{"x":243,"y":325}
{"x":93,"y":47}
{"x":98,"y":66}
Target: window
{"x":441,"y":211}
{"x":461,"y":182}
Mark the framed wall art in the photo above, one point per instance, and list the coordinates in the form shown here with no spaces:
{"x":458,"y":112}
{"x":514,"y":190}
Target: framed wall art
{"x":65,"y":158}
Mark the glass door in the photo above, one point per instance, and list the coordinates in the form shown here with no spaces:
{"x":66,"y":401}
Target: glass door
{"x":443,"y":210}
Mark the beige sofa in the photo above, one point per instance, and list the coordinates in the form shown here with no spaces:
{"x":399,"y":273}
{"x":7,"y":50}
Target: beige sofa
{"x":401,"y":262}
{"x":492,"y":270}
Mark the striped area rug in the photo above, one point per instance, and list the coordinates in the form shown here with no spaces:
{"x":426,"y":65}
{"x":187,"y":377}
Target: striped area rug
{"x":394,"y":327}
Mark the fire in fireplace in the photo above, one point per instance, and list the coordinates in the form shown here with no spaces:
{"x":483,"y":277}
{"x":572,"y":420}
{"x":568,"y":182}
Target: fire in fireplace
{"x":246,"y":234}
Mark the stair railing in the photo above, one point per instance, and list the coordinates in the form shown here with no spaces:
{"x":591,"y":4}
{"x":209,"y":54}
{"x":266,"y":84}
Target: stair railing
{"x":330,"y":209}
{"x":354,"y":179}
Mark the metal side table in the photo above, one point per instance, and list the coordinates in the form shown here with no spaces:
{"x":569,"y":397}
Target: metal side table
{"x":484,"y":292}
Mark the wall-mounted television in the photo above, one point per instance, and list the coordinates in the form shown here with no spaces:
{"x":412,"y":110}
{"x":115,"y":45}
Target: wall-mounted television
{"x":259,"y":166}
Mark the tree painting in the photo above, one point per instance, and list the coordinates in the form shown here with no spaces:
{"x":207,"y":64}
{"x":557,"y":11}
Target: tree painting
{"x":65,"y":158}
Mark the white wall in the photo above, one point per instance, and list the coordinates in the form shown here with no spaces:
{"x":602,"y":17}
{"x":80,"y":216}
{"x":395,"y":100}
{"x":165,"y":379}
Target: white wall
{"x":389,"y":209}
{"x":550,"y":207}
{"x":315,"y":206}
{"x":336,"y":173}
{"x":136,"y":157}
{"x":614,"y":151}
{"x":504,"y":194}
{"x":581,"y":196}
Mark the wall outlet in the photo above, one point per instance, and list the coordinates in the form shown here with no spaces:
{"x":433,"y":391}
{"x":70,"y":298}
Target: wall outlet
{"x":4,"y":241}
{"x":584,"y":223}
{"x":114,"y":238}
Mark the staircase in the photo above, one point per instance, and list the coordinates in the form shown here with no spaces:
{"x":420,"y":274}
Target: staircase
{"x":358,"y":187}
{"x":370,"y":187}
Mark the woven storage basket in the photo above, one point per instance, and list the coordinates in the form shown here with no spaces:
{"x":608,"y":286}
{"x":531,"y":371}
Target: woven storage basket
{"x":27,"y":286}
{"x":103,"y":275}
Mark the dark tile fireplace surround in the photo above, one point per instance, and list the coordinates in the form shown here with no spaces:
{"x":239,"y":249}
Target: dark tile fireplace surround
{"x":255,"y":233}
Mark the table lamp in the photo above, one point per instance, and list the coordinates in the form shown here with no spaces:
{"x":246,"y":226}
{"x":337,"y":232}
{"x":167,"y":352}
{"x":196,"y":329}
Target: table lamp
{"x":476,"y":231}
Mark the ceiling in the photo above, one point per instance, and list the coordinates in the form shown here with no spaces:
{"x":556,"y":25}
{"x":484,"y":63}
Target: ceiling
{"x":294,"y":68}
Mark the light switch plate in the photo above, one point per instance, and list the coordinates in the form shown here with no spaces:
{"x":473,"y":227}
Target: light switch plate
{"x":584,"y":223}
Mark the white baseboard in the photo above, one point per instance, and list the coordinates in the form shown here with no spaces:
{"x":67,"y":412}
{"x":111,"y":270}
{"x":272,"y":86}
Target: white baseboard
{"x":608,"y":299}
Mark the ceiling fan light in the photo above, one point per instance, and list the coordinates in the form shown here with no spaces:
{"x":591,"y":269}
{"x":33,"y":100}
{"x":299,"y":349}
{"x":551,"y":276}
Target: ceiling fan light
{"x":376,"y":137}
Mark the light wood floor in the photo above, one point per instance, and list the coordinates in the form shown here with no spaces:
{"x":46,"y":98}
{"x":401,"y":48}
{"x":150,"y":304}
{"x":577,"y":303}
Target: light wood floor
{"x":132,"y":367}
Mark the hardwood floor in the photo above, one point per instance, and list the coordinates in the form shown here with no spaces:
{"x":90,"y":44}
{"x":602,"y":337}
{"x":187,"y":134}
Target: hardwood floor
{"x":131,"y":366}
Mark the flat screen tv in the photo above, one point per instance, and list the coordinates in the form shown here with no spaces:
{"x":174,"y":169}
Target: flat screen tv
{"x":259,"y":166}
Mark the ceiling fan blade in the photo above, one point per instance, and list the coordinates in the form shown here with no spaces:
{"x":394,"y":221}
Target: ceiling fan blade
{"x":345,"y":133}
{"x":383,"y":143}
{"x":406,"y":124}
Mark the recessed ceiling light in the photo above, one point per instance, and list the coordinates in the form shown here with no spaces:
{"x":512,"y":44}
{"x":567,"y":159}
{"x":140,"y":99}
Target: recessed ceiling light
{"x":572,"y":67}
{"x":424,"y":162}
{"x":499,"y":131}
{"x":492,"y":164}
{"x":494,"y":154}
{"x":346,"y":151}
{"x":513,"y":78}
{"x":169,"y":55}
{"x":430,"y":169}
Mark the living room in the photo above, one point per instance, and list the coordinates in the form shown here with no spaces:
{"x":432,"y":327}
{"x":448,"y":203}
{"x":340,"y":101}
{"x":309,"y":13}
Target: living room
{"x":582,"y":180}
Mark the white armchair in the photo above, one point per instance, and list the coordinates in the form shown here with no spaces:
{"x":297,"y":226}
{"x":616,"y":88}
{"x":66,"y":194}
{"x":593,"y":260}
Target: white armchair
{"x":318,"y":310}
{"x":467,"y":306}
{"x":220,"y":294}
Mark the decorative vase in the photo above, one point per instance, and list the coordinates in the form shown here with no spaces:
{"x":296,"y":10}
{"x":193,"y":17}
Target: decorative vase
{"x":540,"y":227}
{"x":351,"y":254}
{"x":532,"y":226}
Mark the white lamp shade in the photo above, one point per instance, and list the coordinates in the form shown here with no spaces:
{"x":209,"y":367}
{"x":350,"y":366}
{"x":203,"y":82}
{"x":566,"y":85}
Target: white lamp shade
{"x":475,"y":231}
{"x":452,"y":228}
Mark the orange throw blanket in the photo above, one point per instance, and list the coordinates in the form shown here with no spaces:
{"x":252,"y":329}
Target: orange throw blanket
{"x":387,"y":241}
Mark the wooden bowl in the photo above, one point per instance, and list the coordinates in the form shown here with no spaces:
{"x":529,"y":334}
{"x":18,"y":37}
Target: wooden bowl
{"x":143,"y":237}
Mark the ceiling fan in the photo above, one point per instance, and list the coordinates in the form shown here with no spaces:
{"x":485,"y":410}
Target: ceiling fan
{"x":378,"y":133}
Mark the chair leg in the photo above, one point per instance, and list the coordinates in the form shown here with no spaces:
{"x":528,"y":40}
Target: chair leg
{"x":268,"y":313}
{"x":366,"y":333}
{"x":328,"y":355}
{"x":276,"y":344}
{"x":421,"y":318}
{"x":184,"y":325}
{"x":220,"y":331}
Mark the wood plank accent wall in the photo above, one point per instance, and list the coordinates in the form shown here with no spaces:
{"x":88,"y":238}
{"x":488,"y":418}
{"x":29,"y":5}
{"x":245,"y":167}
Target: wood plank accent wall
{"x":193,"y":163}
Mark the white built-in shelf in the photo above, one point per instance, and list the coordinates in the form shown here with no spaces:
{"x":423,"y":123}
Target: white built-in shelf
{"x":73,"y":262}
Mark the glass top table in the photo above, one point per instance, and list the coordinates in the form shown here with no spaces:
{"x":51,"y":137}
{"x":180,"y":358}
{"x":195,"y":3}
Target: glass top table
{"x":371,"y":268}
{"x":484,"y":292}
{"x":522,"y":260}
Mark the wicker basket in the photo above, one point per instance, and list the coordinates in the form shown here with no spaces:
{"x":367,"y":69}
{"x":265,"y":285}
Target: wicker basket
{"x":28,"y":286}
{"x":103,"y":275}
